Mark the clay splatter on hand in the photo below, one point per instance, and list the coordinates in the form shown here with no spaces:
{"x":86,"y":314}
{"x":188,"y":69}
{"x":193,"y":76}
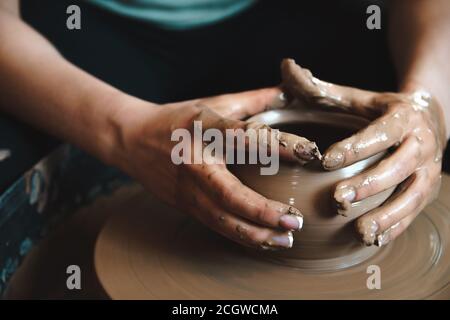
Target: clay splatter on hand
{"x":410,"y":123}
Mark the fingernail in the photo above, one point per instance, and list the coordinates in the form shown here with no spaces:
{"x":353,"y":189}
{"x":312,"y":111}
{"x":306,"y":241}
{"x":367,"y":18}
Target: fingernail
{"x":368,"y":230}
{"x":291,"y":222}
{"x":345,"y":193}
{"x":281,"y":241}
{"x":385,"y":237}
{"x":333,"y":160}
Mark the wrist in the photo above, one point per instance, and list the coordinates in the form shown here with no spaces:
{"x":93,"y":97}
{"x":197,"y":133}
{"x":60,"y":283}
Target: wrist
{"x":127,"y":112}
{"x":104,"y":138}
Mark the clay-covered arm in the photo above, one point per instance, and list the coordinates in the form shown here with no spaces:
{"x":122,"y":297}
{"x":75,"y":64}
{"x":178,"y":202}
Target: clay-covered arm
{"x":420,"y":42}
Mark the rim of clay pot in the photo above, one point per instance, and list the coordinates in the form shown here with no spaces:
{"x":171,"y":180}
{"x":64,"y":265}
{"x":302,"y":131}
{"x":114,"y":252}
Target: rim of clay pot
{"x":281,"y":117}
{"x":287,"y":116}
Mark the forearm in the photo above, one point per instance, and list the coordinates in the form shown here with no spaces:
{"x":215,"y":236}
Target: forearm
{"x":38,"y":86}
{"x":420,"y":43}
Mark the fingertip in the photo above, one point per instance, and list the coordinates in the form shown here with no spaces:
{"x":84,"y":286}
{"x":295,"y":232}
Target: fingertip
{"x":298,"y":149}
{"x":279,"y":241}
{"x":367,"y":229}
{"x":345,"y":194}
{"x":307,"y":151}
{"x":291,"y":222}
{"x":333,"y":160}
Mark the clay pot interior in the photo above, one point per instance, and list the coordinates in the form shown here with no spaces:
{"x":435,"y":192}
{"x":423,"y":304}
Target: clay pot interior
{"x":327,"y":240}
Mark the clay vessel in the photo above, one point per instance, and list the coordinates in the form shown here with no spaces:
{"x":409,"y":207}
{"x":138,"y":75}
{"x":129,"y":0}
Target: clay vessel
{"x":328,"y":241}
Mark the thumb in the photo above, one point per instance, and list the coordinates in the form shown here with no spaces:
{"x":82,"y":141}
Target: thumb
{"x":300,"y":84}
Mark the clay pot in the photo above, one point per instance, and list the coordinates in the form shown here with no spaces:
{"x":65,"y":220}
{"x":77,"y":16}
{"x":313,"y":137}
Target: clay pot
{"x":327,"y":241}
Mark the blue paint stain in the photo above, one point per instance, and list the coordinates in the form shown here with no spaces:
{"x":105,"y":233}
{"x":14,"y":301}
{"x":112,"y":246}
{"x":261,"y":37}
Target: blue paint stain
{"x":9,"y":268}
{"x":36,"y":186}
{"x":25,"y":246}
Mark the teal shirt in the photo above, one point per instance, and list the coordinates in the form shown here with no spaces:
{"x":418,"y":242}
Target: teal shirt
{"x":176,"y":14}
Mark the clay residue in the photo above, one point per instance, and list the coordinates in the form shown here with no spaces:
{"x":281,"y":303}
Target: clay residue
{"x":344,"y":196}
{"x":307,"y":152}
{"x":368,"y":230}
{"x":299,"y":83}
{"x":292,"y":146}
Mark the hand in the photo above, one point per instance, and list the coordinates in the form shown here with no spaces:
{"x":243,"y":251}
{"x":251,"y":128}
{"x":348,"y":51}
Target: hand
{"x":209,"y":192}
{"x":411,"y":122}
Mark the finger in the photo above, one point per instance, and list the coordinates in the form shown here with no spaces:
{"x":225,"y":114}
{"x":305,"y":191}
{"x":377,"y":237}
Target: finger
{"x":245,"y":104}
{"x":410,"y":199}
{"x":291,"y":147}
{"x":236,"y":228}
{"x":389,"y":172}
{"x":302,"y":85}
{"x":237,"y":198}
{"x":394,"y":231}
{"x":381,"y":134}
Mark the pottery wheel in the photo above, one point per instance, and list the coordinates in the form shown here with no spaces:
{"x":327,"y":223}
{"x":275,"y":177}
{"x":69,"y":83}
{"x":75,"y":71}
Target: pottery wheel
{"x":153,"y":252}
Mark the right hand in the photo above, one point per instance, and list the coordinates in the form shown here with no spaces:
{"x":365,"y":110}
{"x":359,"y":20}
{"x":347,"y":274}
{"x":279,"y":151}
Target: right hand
{"x":210,"y":193}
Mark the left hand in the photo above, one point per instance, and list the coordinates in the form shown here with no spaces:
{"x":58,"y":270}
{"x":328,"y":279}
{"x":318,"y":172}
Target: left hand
{"x":143,"y":148}
{"x":411,"y":122}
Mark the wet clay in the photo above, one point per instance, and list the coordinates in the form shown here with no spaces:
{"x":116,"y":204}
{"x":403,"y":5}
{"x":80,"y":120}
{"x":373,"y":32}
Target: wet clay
{"x":410,"y":121}
{"x":328,"y":241}
{"x":150,"y":251}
